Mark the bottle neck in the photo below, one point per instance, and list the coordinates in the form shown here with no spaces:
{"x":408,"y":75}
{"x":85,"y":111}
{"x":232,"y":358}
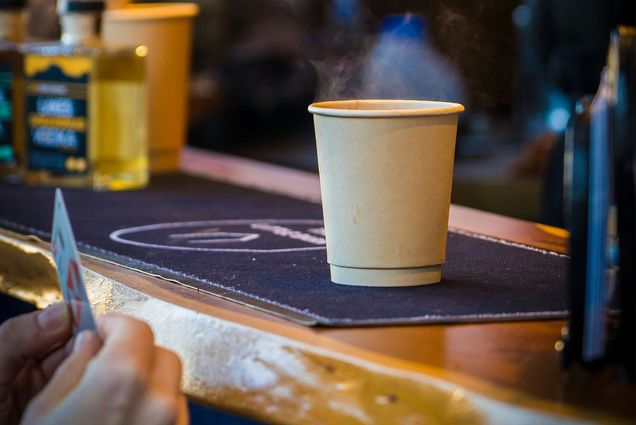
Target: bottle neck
{"x":79,"y":28}
{"x":12,"y":24}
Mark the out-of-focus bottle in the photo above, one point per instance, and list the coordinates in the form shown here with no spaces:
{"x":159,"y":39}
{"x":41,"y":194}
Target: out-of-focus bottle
{"x":576,"y":207}
{"x":601,"y":206}
{"x":85,"y":106}
{"x":622,"y":64}
{"x":12,"y":27}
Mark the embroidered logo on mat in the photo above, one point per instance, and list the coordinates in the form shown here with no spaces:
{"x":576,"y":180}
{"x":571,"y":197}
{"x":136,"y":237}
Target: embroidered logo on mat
{"x":246,"y":236}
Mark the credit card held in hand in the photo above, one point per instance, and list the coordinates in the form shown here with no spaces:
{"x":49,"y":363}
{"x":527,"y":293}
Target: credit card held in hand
{"x":69,"y":269}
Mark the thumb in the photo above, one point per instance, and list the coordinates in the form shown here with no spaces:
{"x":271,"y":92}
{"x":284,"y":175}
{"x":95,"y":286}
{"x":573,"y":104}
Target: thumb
{"x":67,"y":376}
{"x":31,"y":336}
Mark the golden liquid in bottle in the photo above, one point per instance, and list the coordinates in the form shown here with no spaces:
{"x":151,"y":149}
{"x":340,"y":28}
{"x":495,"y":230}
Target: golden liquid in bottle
{"x":117,"y":108}
{"x":115,"y":122}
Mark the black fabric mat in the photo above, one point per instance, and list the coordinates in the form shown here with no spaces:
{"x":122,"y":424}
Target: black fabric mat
{"x":267,"y":251}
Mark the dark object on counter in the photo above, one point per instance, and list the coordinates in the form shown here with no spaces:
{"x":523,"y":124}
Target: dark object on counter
{"x":577,"y":146}
{"x":624,"y":44}
{"x":600,"y":193}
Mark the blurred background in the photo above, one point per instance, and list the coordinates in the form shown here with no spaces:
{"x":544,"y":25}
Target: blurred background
{"x":517,"y":66}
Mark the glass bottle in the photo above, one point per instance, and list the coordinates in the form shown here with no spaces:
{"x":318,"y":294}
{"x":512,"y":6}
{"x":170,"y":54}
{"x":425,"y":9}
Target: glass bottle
{"x":85,"y":106}
{"x":601,"y":205}
{"x":11,"y":122}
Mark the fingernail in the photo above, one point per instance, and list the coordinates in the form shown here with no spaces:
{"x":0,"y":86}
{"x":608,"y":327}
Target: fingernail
{"x":83,"y":339}
{"x":54,"y":317}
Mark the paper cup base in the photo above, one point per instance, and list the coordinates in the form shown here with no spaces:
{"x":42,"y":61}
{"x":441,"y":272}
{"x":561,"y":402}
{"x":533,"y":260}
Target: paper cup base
{"x":386,"y":277}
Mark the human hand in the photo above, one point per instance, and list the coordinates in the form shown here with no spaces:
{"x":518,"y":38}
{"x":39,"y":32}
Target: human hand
{"x":31,"y":349}
{"x":125,"y":379}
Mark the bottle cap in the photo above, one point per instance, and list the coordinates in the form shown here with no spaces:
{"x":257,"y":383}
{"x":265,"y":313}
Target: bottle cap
{"x":407,"y":25}
{"x":12,"y":4}
{"x":79,"y":6}
{"x":345,"y":11}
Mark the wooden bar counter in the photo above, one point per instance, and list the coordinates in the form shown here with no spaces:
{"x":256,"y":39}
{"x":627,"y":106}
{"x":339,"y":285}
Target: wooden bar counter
{"x":241,"y":360}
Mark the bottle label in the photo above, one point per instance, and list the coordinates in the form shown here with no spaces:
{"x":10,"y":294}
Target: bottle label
{"x":56,"y":112}
{"x":6,"y":115}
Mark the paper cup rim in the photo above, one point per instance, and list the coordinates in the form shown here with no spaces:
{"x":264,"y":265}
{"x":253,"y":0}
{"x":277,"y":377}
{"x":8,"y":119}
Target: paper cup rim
{"x":152,"y":11}
{"x":377,"y":108}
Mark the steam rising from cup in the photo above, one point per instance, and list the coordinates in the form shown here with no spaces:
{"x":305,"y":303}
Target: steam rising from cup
{"x":401,"y":63}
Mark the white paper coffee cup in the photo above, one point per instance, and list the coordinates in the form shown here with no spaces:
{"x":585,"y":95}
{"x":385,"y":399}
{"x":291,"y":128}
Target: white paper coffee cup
{"x":166,"y":30}
{"x":386,"y":169}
